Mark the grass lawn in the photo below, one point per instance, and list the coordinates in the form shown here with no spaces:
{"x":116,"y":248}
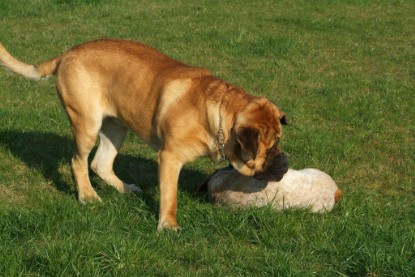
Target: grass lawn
{"x":343,"y":71}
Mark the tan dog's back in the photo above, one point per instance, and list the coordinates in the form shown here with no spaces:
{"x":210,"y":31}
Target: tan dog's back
{"x":130,"y":89}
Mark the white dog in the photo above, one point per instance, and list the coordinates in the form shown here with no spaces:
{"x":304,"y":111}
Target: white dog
{"x":306,"y":188}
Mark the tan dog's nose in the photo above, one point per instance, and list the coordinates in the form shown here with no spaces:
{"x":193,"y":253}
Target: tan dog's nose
{"x":337,"y":195}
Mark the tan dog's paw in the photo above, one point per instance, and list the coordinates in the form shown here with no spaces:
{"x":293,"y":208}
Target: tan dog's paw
{"x":131,"y":188}
{"x":89,"y":198}
{"x":163,"y":225}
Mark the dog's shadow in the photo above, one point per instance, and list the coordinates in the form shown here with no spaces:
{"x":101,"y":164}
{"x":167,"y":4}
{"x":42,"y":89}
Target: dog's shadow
{"x":46,"y":152}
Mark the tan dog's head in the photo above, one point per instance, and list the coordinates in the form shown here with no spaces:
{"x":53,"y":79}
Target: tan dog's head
{"x":253,"y":147}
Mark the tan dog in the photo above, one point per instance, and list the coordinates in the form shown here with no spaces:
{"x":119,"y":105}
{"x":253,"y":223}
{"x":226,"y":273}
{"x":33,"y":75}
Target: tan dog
{"x":109,"y":86}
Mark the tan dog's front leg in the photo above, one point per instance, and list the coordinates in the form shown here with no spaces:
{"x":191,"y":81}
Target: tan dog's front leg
{"x":169,"y":167}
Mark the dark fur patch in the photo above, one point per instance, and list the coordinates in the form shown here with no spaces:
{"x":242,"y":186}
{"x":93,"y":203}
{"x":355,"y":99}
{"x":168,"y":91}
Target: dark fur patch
{"x":247,"y":138}
{"x":274,"y":168}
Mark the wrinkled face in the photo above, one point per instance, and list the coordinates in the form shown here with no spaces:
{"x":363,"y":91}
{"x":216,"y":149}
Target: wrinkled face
{"x":253,"y":149}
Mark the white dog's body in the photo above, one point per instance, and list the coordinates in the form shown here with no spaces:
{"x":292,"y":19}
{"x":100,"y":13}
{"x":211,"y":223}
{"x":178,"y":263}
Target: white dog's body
{"x":306,"y":188}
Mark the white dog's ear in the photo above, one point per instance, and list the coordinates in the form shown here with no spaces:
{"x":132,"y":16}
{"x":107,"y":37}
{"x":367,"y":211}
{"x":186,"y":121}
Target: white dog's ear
{"x":247,"y":139}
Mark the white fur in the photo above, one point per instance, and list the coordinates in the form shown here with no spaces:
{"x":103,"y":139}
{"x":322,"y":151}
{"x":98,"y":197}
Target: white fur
{"x":306,"y":188}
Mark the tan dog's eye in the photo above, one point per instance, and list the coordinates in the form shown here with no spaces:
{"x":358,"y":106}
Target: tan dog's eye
{"x":273,"y":145}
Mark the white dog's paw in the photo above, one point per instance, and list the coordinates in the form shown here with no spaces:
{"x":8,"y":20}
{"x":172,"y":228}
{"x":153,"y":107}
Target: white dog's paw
{"x":132,"y":188}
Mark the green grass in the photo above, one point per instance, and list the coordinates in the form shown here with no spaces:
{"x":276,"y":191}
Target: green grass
{"x":344,"y":73}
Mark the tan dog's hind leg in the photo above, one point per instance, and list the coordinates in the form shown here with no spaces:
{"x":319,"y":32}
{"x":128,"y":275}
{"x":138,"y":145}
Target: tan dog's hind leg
{"x":111,"y":136}
{"x":85,"y":115}
{"x":169,"y":169}
{"x":85,"y":141}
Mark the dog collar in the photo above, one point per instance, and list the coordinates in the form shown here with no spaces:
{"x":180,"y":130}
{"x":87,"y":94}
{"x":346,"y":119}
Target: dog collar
{"x":221,"y":140}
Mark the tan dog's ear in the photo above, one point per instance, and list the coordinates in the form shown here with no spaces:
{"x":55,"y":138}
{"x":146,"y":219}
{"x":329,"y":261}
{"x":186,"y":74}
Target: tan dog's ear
{"x":247,"y":139}
{"x":283,"y":119}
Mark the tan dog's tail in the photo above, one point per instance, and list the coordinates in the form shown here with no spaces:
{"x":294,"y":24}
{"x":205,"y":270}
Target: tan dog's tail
{"x":34,"y":72}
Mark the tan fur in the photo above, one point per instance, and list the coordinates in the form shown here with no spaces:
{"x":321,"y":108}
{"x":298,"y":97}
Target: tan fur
{"x":109,"y":86}
{"x":306,"y":188}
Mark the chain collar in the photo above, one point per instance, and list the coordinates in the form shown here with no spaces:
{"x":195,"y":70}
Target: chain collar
{"x":221,"y":140}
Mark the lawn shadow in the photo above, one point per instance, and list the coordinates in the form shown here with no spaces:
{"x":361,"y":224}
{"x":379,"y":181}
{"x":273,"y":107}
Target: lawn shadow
{"x":45,"y":151}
